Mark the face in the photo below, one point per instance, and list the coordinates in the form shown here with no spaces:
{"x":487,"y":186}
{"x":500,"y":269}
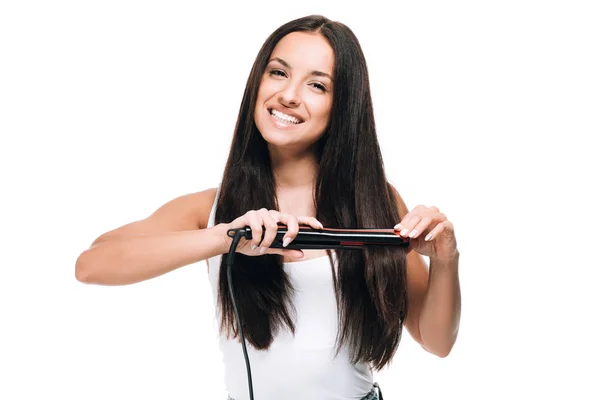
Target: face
{"x":296,"y":91}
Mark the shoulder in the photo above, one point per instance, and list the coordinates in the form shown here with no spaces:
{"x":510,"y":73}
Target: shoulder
{"x":195,"y":206}
{"x":187,"y":212}
{"x":402,"y":209}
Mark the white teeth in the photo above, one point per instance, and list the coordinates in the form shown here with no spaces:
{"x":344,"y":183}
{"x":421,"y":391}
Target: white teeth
{"x":284,"y":117}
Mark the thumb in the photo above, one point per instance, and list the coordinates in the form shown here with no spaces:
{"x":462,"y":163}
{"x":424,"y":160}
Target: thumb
{"x":415,"y":244}
{"x":291,"y":252}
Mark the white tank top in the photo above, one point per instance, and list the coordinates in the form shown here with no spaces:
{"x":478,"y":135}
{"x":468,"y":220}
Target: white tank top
{"x":300,"y":366}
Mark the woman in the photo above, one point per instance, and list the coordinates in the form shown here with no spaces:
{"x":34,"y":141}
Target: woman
{"x":304,"y":152}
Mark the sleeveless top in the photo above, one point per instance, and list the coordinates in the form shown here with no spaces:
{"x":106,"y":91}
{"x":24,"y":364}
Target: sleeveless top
{"x":300,"y":365}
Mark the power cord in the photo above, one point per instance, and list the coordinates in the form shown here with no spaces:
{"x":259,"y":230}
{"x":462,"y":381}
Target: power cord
{"x":237,"y":235}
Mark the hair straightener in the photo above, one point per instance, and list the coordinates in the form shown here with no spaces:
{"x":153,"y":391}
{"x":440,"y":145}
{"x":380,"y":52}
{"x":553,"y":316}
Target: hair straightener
{"x":309,"y":238}
{"x":330,"y":238}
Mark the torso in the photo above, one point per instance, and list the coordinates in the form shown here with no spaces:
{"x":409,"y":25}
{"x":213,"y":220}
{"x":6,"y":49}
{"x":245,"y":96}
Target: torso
{"x":303,"y":363}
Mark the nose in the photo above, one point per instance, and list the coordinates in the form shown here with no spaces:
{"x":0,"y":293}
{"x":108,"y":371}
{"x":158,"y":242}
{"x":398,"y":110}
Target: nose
{"x":289,"y":95}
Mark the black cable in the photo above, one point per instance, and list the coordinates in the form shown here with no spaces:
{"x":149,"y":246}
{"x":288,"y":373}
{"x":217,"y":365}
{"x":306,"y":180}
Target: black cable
{"x":239,"y":233}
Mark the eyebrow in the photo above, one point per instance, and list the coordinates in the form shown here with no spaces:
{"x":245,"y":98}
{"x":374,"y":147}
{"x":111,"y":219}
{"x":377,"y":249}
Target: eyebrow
{"x":314,"y":73}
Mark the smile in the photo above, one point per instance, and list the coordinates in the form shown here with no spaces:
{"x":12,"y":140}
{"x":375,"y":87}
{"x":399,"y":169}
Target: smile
{"x":282,"y":120}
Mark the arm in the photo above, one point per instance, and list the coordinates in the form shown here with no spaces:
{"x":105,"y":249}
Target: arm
{"x":440,"y":312}
{"x":173,"y":236}
{"x":434,"y":297}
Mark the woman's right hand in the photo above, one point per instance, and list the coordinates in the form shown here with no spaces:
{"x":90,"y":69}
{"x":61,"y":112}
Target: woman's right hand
{"x":256,"y":219}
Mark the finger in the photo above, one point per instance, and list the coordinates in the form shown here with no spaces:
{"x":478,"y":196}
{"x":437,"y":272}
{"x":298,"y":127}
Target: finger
{"x":292,"y":227}
{"x":422,"y":226}
{"x":441,"y":227}
{"x":270,"y":224}
{"x":310,"y":221}
{"x":411,"y":220}
{"x":408,"y":223}
{"x":403,"y":221}
{"x":427,"y":223}
{"x":254,"y":221}
{"x":289,"y":252}
{"x":432,"y":221}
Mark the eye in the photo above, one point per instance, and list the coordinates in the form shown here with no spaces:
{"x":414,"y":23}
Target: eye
{"x":277,"y":72}
{"x":319,"y":86}
{"x":316,"y":85}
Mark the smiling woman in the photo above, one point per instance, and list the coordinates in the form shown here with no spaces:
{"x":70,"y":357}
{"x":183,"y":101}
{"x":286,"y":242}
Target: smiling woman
{"x":304,"y":152}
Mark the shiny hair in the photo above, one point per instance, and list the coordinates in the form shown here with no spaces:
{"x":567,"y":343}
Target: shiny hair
{"x":351,"y":192}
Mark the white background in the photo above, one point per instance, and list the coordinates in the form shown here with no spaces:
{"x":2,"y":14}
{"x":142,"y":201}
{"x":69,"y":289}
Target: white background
{"x":109,"y":109}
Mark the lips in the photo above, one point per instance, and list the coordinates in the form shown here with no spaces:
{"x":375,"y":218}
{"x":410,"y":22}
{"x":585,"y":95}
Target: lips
{"x":286,"y":112}
{"x":281,"y":124}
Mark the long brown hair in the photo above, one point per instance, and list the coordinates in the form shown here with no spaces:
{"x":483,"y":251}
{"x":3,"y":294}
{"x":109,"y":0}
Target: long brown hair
{"x":351,"y":192}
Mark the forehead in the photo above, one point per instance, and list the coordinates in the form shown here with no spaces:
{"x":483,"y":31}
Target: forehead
{"x":305,"y":51}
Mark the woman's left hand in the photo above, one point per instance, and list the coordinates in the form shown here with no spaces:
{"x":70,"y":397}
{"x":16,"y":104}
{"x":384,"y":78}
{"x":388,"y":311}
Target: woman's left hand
{"x":430,"y":233}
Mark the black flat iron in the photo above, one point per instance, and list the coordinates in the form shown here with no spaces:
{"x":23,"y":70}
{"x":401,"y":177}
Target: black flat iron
{"x":330,"y":238}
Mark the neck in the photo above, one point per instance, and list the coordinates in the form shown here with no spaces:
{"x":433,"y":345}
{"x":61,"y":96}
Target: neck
{"x":294,"y":170}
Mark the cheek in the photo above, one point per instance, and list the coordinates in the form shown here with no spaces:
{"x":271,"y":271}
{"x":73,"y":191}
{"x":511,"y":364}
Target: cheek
{"x":261,"y":91}
{"x":323,"y":109}
{"x":267,"y":88}
{"x":262,"y":96}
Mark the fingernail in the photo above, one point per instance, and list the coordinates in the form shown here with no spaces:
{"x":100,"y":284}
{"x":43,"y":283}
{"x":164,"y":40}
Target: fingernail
{"x":428,"y":238}
{"x":413,"y":233}
{"x":287,"y":241}
{"x":263,"y":250}
{"x":253,"y":247}
{"x":321,"y":225}
{"x":404,"y":231}
{"x":398,"y":226}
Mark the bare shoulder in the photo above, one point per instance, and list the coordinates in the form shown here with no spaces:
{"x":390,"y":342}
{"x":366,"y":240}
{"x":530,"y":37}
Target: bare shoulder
{"x":402,"y":209}
{"x":190,"y":211}
{"x":187,"y":212}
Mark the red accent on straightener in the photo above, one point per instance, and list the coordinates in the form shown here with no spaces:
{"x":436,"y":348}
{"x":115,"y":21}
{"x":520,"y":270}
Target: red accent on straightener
{"x":352,"y":243}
